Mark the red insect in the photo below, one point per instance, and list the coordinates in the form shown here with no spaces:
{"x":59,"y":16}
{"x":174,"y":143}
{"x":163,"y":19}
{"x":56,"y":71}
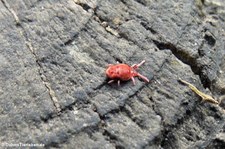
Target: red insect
{"x":124,"y":72}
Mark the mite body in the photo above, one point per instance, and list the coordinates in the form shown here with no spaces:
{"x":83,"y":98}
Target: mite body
{"x":124,"y":72}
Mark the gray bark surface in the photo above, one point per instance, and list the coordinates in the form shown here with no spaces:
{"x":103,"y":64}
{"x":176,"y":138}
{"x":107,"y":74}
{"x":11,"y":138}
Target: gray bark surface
{"x":53,"y":87}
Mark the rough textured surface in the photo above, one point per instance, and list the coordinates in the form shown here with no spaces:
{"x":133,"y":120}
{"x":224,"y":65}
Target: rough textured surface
{"x":53,"y":88}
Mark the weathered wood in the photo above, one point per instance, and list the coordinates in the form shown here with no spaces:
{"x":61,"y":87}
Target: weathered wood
{"x":53,"y":88}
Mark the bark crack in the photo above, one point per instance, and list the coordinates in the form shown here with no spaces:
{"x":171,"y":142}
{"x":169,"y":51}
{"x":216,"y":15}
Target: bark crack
{"x":42,"y":76}
{"x":31,"y":49}
{"x":7,"y":6}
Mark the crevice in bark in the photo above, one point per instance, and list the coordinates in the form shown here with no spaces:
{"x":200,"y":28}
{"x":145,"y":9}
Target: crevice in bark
{"x":85,"y":6}
{"x":7,"y":6}
{"x":186,"y":59}
{"x":32,"y":50}
{"x":180,"y":54}
{"x":142,"y":2}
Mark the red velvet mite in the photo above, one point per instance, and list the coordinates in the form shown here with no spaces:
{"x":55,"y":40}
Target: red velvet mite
{"x":124,"y":72}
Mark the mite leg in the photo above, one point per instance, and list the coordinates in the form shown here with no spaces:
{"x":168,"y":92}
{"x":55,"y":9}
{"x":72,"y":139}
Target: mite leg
{"x":135,"y":66}
{"x":118,"y":82}
{"x":111,"y":81}
{"x":133,"y":80}
{"x":143,"y":77}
